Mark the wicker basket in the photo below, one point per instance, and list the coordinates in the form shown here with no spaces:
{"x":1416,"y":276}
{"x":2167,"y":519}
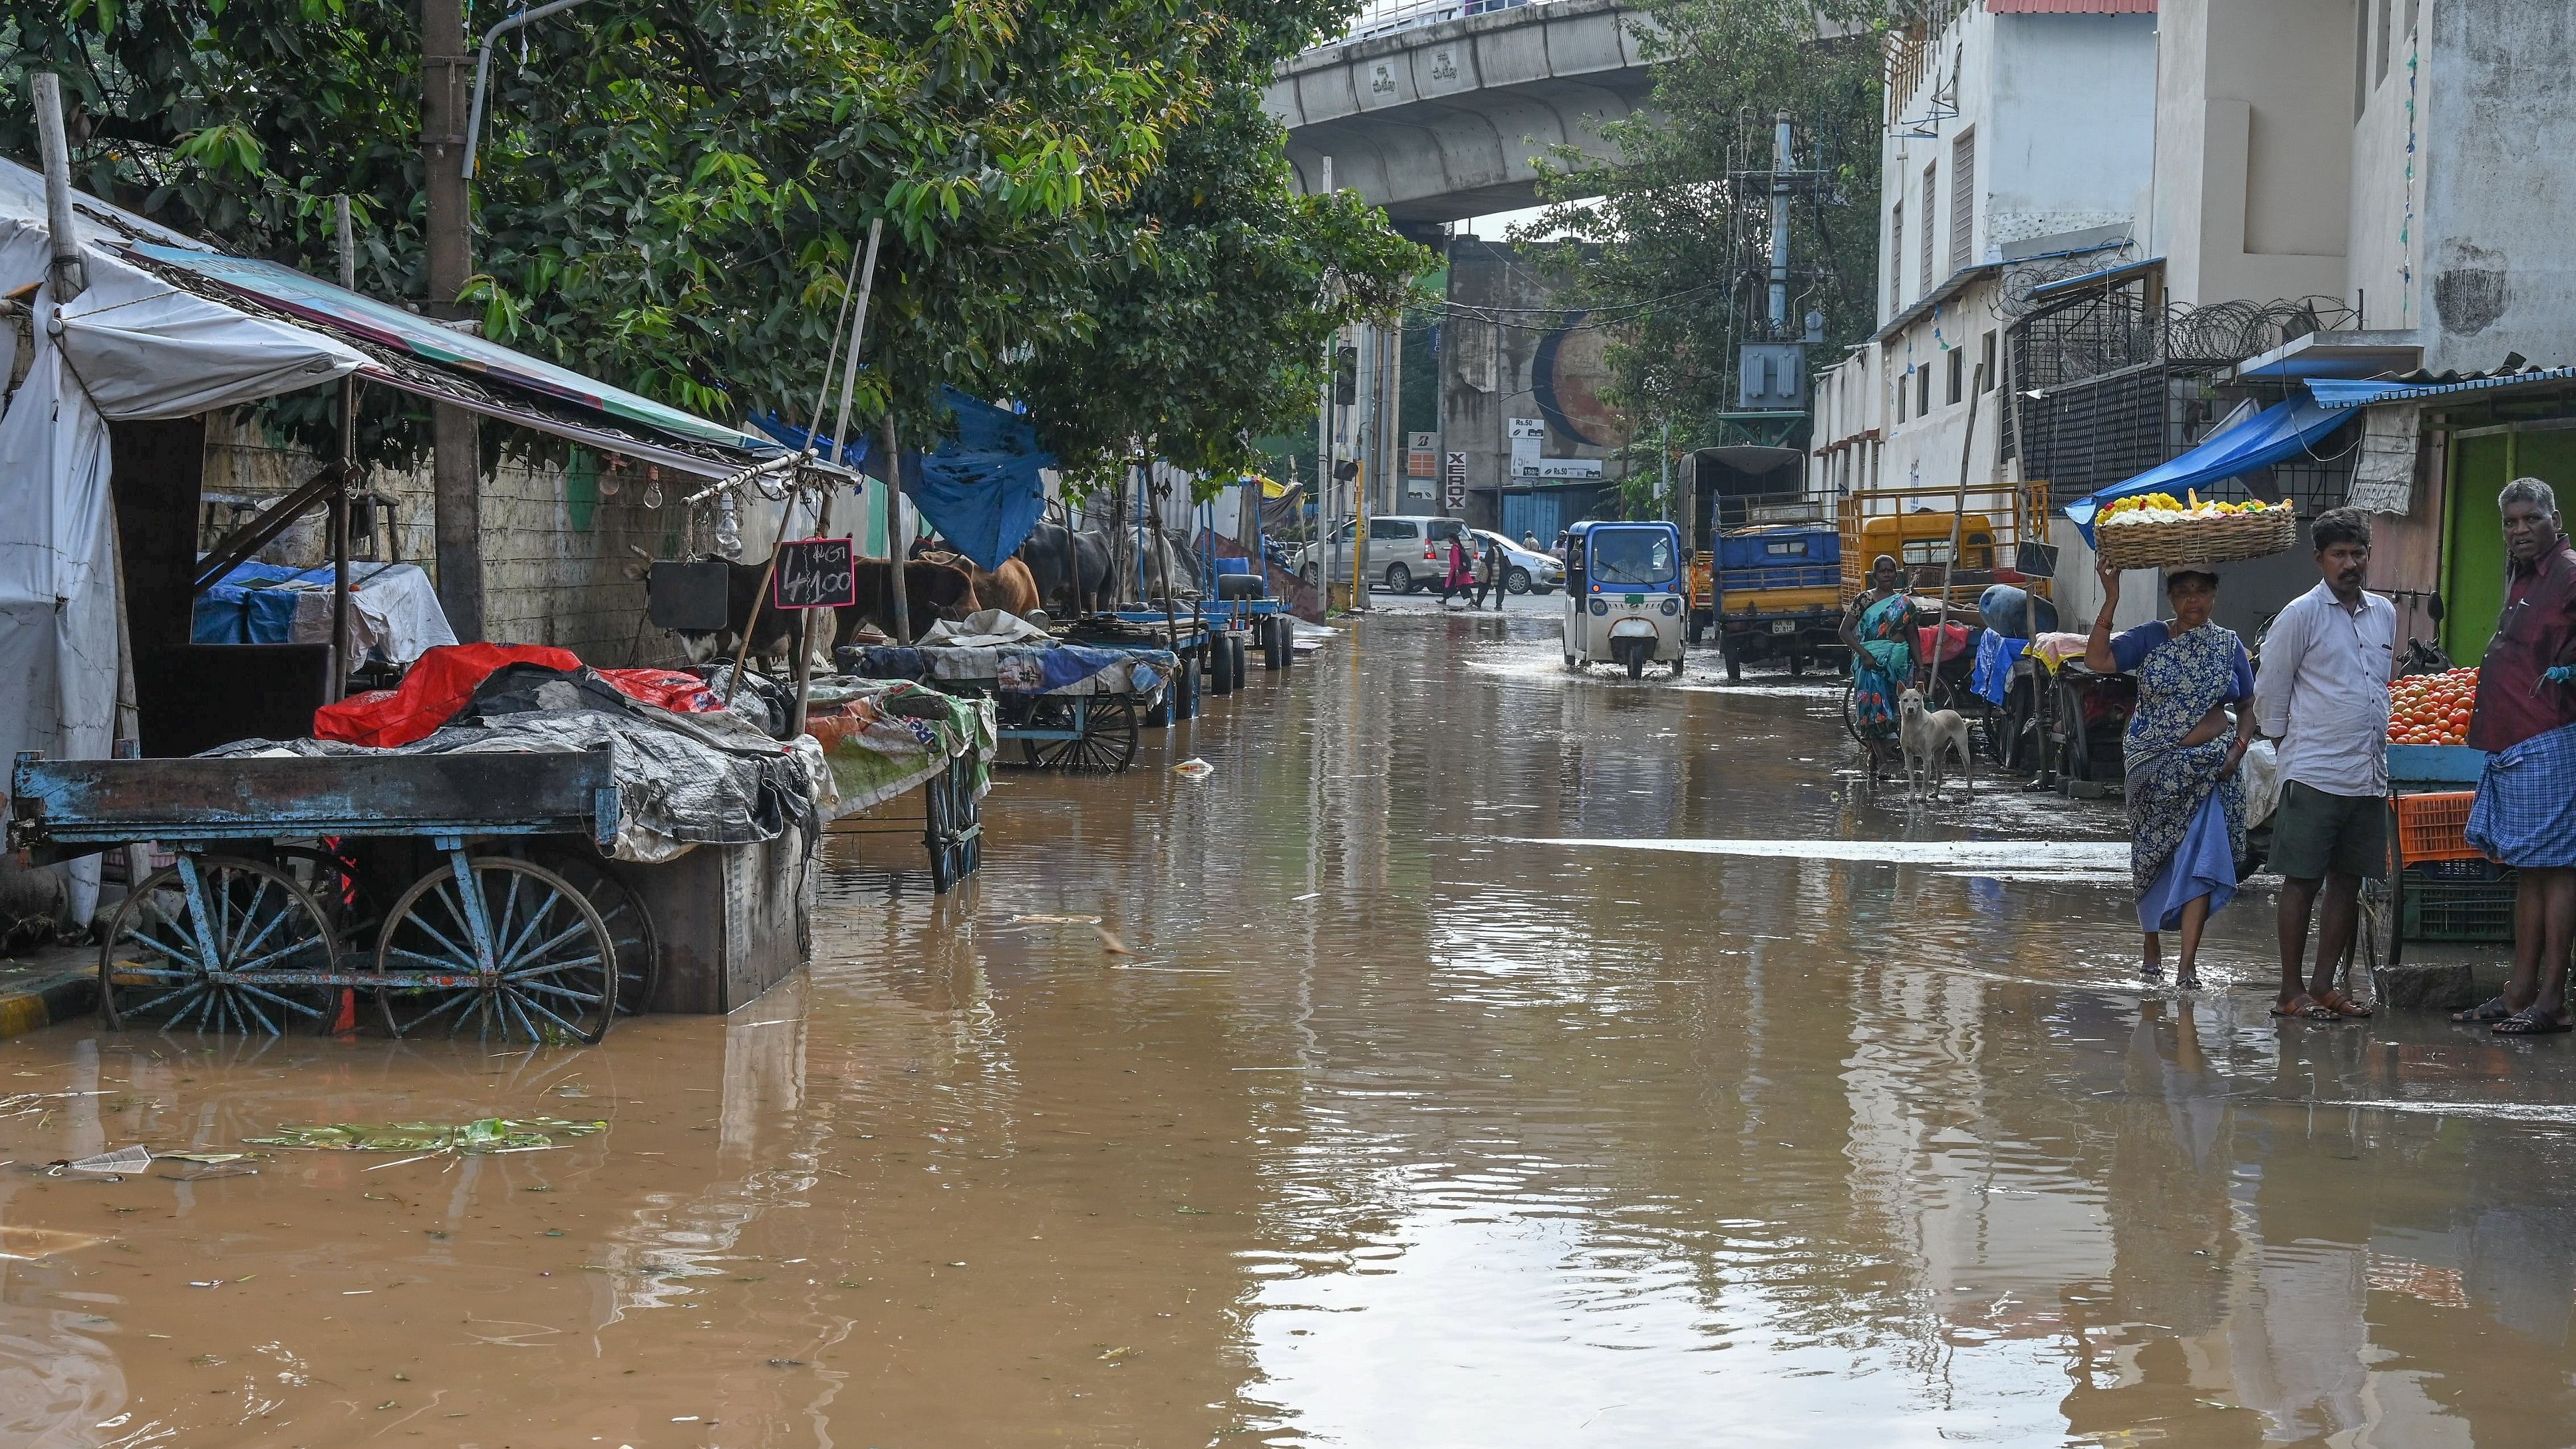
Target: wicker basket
{"x":2191,"y":541}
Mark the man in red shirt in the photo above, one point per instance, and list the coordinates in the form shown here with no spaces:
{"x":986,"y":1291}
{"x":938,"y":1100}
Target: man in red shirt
{"x":2525,"y":812}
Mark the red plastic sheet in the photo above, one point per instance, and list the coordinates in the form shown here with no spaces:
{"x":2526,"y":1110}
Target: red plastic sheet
{"x":446,"y":677}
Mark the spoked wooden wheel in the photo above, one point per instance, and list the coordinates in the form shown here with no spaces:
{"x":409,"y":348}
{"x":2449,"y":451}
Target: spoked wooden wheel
{"x":630,"y":926}
{"x":1106,"y":741}
{"x":513,"y":949}
{"x":216,"y":944}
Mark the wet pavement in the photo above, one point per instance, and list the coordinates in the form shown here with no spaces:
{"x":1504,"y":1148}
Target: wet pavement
{"x":1504,"y":1058}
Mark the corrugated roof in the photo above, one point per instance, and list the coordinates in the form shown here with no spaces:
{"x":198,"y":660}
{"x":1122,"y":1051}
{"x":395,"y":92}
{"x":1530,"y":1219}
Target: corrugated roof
{"x":2071,"y":7}
{"x":2337,"y":392}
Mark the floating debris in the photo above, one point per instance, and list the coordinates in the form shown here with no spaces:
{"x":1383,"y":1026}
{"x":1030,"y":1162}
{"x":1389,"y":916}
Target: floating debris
{"x":1194,"y":768}
{"x":491,"y":1134}
{"x":26,"y":1245}
{"x":1112,"y":944}
{"x":1053,"y":921}
{"x":112,"y":1164}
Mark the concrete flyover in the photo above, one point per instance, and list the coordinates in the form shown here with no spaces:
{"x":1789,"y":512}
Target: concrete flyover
{"x":1441,"y":121}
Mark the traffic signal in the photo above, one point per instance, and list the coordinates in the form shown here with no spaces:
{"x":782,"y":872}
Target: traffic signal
{"x":1346,"y":375}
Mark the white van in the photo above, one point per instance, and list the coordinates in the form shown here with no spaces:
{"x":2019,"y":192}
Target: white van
{"x":1407,"y":551}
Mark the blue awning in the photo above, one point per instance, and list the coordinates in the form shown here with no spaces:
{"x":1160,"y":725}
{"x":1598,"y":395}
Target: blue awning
{"x":2283,"y":430}
{"x":2335,"y":392}
{"x":981,"y":489}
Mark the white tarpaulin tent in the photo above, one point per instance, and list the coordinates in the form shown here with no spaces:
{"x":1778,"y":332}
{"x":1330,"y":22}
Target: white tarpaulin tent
{"x":130,"y":346}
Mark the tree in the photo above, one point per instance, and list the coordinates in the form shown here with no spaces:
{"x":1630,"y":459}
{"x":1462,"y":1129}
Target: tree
{"x":1211,"y":331}
{"x":670,"y":190}
{"x":1675,"y":253}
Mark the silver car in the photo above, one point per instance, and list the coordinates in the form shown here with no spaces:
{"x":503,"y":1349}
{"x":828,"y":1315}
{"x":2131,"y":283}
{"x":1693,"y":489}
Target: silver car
{"x":1525,"y":569}
{"x":1406,"y":551}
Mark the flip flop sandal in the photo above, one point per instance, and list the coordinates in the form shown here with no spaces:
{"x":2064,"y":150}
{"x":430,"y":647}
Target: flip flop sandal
{"x":2309,"y":1012}
{"x":2494,"y":1009}
{"x":2343,"y":1007}
{"x":2530,"y":1022}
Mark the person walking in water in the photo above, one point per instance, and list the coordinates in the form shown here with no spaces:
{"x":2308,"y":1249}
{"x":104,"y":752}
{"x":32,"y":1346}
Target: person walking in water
{"x":1878,"y":629}
{"x":2524,"y":815}
{"x":2186,"y":802}
{"x":2323,"y":693}
{"x":1460,"y":577}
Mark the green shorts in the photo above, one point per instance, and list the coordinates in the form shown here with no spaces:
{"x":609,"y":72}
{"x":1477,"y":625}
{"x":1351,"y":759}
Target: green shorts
{"x":2315,"y":834}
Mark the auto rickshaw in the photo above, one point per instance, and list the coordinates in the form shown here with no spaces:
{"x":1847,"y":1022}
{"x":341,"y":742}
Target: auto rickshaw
{"x":1624,"y":595}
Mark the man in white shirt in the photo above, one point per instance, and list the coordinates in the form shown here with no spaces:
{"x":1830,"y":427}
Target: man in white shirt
{"x":2323,"y":693}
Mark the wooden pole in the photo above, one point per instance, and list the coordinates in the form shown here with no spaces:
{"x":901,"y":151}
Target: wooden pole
{"x":840,"y":426}
{"x":1958,"y":517}
{"x":338,"y":685}
{"x":760,"y":601}
{"x":456,"y":465}
{"x":896,"y":544}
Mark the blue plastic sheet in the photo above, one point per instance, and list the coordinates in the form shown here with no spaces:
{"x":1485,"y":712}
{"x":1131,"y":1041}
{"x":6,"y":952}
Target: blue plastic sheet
{"x":2283,"y":430}
{"x":238,"y":610}
{"x":980,"y":489}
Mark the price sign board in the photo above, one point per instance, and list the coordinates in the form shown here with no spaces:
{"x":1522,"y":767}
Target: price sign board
{"x":815,"y":573}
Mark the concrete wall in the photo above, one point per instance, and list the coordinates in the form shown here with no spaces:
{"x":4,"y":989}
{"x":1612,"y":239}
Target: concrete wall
{"x":1488,"y":371}
{"x":2499,"y":133}
{"x":2073,"y":129}
{"x":2254,"y":147}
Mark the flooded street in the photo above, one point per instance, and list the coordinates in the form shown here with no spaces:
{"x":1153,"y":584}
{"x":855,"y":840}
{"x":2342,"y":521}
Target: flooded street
{"x":1503,"y":1058}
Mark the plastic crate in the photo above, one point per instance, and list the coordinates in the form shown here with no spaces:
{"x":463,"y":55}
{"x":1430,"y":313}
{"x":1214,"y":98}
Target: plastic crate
{"x":2439,"y":908}
{"x":2434,"y":826}
{"x":2474,"y":869}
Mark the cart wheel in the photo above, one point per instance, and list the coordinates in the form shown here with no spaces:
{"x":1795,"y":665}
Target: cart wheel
{"x":2376,"y":939}
{"x":1241,"y":648}
{"x":195,"y":944}
{"x":1287,"y":640}
{"x":1851,"y":712}
{"x":550,"y":958}
{"x":1106,"y":745}
{"x":630,"y":926}
{"x":1678,"y":665}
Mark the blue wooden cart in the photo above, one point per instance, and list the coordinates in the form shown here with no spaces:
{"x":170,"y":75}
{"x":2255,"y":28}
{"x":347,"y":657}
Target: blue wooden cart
{"x":264,"y":919}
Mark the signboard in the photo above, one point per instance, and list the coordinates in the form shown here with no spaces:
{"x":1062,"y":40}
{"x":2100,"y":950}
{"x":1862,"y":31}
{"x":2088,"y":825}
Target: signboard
{"x":815,"y":573}
{"x":1534,"y":428}
{"x":1454,"y":467}
{"x":1421,"y":454}
{"x":1568,"y":468}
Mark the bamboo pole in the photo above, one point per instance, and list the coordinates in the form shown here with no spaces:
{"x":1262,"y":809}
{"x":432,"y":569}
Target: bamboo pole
{"x":1958,"y":519}
{"x":895,"y":543}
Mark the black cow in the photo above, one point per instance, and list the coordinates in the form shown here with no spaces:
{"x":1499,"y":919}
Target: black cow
{"x":1071,"y":569}
{"x":775,"y":633}
{"x":930,"y":591}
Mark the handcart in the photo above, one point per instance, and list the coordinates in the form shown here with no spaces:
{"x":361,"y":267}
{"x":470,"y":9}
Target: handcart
{"x":1085,"y":724}
{"x":504,"y":921}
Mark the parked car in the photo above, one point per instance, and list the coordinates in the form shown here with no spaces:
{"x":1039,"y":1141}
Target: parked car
{"x":1407,"y":551}
{"x":1525,"y":569}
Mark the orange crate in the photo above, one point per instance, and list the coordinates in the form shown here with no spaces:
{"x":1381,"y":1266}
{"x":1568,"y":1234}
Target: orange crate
{"x":2434,"y":827}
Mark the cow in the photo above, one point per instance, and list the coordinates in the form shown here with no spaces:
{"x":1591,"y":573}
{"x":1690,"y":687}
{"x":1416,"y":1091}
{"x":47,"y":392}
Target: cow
{"x":1069,"y":570}
{"x":776,"y":633}
{"x":931,"y":591}
{"x":1009,"y":588}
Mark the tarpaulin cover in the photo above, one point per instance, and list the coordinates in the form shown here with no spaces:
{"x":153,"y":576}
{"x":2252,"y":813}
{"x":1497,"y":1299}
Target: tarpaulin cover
{"x":393,"y":607}
{"x":980,"y":489}
{"x":2283,"y":430}
{"x":445,"y":679}
{"x":883,"y":737}
{"x":682,"y":780}
{"x":1065,"y":669}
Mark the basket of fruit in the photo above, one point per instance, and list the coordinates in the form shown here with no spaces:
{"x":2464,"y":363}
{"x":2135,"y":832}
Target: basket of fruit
{"x":2158,"y":530}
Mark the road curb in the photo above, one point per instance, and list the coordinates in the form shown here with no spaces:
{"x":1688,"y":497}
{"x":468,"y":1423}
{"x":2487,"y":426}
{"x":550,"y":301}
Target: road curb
{"x":36,"y":1004}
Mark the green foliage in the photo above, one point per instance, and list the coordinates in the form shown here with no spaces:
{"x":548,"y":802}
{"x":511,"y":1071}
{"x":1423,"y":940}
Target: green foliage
{"x":1675,"y":250}
{"x":670,"y":191}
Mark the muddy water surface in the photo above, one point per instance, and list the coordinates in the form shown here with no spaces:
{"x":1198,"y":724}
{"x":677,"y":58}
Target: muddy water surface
{"x":1426,"y":1111}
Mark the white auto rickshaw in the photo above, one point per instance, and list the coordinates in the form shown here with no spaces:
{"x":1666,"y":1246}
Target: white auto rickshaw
{"x":1624,"y":595}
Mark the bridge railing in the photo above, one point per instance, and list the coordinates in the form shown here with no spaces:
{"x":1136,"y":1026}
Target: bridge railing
{"x":1385,"y":17}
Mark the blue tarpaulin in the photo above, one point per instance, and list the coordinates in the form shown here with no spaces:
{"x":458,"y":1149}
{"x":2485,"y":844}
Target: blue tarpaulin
{"x":2283,"y":430}
{"x":980,"y":489}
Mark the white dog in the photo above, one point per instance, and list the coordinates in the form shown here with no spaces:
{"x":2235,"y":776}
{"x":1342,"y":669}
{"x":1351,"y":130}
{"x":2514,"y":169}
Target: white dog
{"x":1928,"y":735}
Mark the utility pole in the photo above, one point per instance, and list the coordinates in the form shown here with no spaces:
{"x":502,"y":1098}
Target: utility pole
{"x":1780,"y":225}
{"x":456,"y":472}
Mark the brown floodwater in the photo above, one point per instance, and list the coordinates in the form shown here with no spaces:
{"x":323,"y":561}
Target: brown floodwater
{"x":1407,"y":1123}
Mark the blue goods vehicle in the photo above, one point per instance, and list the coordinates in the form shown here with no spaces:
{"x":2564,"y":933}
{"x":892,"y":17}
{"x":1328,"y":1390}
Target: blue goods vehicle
{"x":1777,"y":594}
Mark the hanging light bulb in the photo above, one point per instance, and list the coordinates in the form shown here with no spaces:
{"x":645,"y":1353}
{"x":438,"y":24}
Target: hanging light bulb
{"x":609,"y":482}
{"x":653,"y":494}
{"x":728,"y":527}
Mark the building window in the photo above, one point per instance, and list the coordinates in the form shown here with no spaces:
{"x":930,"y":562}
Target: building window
{"x":1986,"y":363}
{"x":1904,"y":385}
{"x":1928,"y":209}
{"x":1922,"y":391}
{"x":1958,"y":360}
{"x":1896,"y":260}
{"x":1963,"y":200}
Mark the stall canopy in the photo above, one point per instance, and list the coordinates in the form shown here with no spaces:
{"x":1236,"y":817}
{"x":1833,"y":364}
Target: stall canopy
{"x":980,"y":488}
{"x":2283,"y":430}
{"x":169,"y":328}
{"x":2335,"y":392}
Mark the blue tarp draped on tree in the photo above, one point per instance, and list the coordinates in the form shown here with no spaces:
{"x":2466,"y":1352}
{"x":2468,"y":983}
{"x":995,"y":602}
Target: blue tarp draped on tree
{"x":980,"y":489}
{"x":2283,"y":430}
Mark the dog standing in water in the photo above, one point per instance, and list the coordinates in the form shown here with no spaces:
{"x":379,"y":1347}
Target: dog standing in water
{"x":1928,"y":735}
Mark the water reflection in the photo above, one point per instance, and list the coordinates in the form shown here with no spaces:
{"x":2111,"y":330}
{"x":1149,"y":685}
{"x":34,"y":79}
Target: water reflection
{"x":1430,"y":1109}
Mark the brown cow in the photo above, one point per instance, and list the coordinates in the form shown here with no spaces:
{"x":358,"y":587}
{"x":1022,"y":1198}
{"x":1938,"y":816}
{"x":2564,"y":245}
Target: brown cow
{"x":1010,"y":588}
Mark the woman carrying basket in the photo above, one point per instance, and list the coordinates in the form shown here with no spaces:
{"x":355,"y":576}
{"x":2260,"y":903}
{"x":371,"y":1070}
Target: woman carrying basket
{"x":2186,"y":802}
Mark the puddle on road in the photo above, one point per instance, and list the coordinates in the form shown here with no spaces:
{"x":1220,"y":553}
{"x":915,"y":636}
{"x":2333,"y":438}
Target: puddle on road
{"x":1661,"y":1120}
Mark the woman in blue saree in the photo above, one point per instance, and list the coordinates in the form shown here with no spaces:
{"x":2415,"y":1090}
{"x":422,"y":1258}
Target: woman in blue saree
{"x":1878,"y":629}
{"x":2186,"y":801}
